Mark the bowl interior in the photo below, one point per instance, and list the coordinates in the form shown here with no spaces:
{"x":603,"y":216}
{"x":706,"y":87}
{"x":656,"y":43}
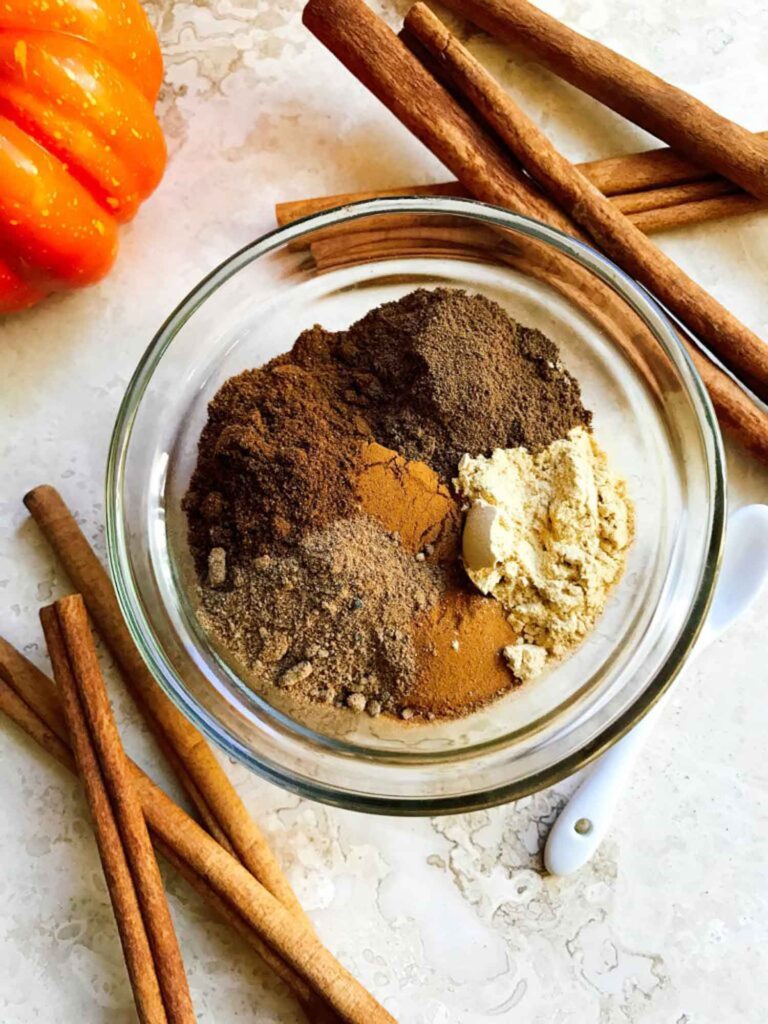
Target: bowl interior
{"x":649,"y":415}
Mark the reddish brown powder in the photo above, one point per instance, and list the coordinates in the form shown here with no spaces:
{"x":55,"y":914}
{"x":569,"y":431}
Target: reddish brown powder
{"x":459,"y":665}
{"x":408,"y":499}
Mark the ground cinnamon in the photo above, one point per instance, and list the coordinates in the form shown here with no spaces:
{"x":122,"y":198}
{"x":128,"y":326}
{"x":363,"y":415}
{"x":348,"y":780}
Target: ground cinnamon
{"x":459,"y":645}
{"x":408,"y":498}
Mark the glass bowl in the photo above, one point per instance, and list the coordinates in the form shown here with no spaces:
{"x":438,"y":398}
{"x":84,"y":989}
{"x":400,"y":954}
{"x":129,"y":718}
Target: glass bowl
{"x":651,"y":414}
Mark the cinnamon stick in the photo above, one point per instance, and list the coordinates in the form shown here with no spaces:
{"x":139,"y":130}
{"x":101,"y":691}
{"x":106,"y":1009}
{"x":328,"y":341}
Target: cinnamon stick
{"x":685,"y":123}
{"x":394,"y":250}
{"x":644,"y":173}
{"x":315,"y":1009}
{"x":90,"y":689}
{"x":191,"y":756}
{"x":34,"y":687}
{"x":295,"y":209}
{"x":131,"y":923}
{"x":739,"y":417}
{"x":652,"y":168}
{"x":295,"y":942}
{"x":36,"y":727}
{"x":658,"y":209}
{"x":741,"y":350}
{"x":449,"y":239}
{"x":675,"y":195}
{"x":30,"y":699}
{"x":372,"y":52}
{"x":701,"y":211}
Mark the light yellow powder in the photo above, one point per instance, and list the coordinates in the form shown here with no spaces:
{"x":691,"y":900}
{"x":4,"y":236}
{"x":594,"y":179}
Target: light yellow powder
{"x":550,"y":538}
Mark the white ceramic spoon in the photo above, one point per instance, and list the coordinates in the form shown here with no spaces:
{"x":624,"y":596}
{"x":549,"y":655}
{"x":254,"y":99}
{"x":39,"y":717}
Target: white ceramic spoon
{"x":585,"y":819}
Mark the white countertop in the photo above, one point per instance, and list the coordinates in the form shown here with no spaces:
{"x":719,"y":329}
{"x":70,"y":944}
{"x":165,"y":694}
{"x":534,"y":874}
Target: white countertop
{"x":448,"y":921}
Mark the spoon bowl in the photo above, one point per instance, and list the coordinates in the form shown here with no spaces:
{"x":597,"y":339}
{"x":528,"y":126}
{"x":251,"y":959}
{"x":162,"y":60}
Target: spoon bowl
{"x":744,"y":570}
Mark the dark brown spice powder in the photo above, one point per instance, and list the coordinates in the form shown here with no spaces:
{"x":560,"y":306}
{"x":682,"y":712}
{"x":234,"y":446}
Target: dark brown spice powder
{"x":440,"y":373}
{"x":273,"y":461}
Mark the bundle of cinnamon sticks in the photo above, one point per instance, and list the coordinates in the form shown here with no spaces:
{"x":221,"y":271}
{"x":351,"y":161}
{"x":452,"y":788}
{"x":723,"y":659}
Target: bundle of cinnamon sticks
{"x":438,"y":90}
{"x":225,"y":858}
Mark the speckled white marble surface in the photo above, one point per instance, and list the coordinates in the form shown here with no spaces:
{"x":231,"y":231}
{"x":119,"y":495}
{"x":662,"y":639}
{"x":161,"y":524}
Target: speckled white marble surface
{"x":449,"y":920}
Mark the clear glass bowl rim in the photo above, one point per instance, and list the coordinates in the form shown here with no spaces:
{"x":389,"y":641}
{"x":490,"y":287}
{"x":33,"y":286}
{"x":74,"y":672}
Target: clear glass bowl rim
{"x":116,"y":531}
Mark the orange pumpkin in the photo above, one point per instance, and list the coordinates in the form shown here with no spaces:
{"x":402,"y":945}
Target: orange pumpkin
{"x":80,"y":147}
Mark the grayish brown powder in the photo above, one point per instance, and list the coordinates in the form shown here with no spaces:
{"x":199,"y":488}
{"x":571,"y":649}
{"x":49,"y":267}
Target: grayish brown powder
{"x":331,"y":622}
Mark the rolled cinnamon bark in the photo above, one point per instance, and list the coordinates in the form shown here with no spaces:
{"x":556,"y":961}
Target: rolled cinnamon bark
{"x":30,"y":694}
{"x":740,"y":349}
{"x":674,"y":195}
{"x":653,"y":168}
{"x":665,"y":218}
{"x":36,"y":725}
{"x":315,"y":1009}
{"x":80,"y":675}
{"x":29,"y":699}
{"x":372,"y":52}
{"x":685,"y":123}
{"x":448,"y":239}
{"x":131,"y":924}
{"x":287,"y":212}
{"x":660,"y":209}
{"x":189,"y":754}
{"x":645,"y":174}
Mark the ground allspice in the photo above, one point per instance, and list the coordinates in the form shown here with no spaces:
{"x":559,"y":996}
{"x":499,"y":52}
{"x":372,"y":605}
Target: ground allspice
{"x":440,"y":373}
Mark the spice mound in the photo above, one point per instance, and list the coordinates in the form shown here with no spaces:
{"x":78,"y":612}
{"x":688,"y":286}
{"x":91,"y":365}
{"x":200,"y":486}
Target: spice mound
{"x":326,"y":528}
{"x":272,"y":461}
{"x":547,"y":535}
{"x":440,"y":373}
{"x":332,"y":620}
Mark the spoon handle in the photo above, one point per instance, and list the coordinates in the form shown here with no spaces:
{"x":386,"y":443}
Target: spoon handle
{"x":582,"y":824}
{"x":585,"y":819}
